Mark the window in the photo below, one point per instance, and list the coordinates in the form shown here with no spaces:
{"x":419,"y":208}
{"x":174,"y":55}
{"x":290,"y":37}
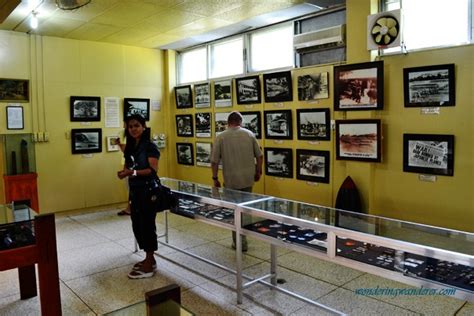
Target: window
{"x":227,"y":58}
{"x":442,"y":23}
{"x":192,"y":65}
{"x":272,"y":48}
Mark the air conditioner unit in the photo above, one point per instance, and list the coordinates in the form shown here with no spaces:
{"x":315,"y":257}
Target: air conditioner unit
{"x":321,"y":39}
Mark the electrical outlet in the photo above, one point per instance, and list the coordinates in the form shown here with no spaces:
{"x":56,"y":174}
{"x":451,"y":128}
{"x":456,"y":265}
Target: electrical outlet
{"x":40,"y":136}
{"x":46,"y":136}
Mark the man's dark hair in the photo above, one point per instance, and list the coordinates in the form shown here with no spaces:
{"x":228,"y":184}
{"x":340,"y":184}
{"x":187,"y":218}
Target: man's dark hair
{"x":235,"y":118}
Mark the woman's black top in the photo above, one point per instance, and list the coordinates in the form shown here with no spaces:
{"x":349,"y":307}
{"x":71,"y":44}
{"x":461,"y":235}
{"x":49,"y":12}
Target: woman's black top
{"x":137,"y":159}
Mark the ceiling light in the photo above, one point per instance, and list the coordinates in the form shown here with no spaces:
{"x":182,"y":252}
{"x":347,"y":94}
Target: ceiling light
{"x":71,"y":4}
{"x":34,"y":20}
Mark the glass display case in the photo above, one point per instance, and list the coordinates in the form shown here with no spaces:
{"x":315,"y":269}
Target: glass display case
{"x":19,"y":154}
{"x":16,"y":226}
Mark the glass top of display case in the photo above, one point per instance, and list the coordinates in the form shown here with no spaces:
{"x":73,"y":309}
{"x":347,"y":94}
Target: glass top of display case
{"x":457,"y":241}
{"x":204,"y":191}
{"x":14,"y":213}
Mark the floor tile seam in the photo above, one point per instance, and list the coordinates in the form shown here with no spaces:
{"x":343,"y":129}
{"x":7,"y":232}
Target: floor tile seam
{"x":93,"y":273}
{"x":86,"y":246}
{"x":90,"y":228}
{"x":79,"y":297}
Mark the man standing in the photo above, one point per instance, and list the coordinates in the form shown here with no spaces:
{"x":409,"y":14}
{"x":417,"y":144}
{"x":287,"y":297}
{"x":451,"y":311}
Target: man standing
{"x":241,"y":158}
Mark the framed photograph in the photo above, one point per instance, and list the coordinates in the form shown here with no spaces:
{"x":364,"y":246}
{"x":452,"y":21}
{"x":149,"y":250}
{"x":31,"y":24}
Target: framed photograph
{"x":203,"y":154}
{"x":184,"y":152}
{"x":84,"y":109}
{"x":312,"y":165}
{"x":203,"y":124}
{"x":16,"y":90}
{"x":202,"y":95}
{"x":358,"y":140}
{"x":221,"y":122}
{"x":86,"y":140}
{"x":223,"y":93}
{"x":429,"y":154}
{"x":248,"y":90}
{"x":111,"y":142}
{"x":136,"y":106}
{"x":253,"y":122}
{"x":184,"y":125}
{"x":15,"y":119}
{"x":278,"y":87}
{"x":313,"y":87}
{"x":313,"y":124}
{"x":358,"y":86}
{"x":278,"y":124}
{"x":184,"y":97}
{"x":279,"y":162}
{"x":429,"y":86}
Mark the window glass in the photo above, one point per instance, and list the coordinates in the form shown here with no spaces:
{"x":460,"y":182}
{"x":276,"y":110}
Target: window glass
{"x":227,"y":58}
{"x":272,"y":48}
{"x":193,"y":65}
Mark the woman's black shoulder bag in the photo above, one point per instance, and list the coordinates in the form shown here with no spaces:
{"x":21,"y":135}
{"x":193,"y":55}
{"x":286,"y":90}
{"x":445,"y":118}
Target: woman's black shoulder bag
{"x":160,"y":195}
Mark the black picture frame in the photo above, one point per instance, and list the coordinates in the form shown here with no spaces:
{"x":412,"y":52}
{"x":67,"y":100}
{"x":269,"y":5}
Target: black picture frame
{"x":312,"y":165}
{"x":84,"y":109}
{"x":15,"y":117}
{"x":429,"y":86}
{"x":313,"y":86}
{"x":278,"y":87}
{"x":359,"y":140}
{"x":278,"y":124}
{"x":203,"y":154}
{"x":86,"y":140}
{"x":203,"y":123}
{"x":253,"y":122}
{"x":202,"y":95}
{"x":183,"y":97}
{"x":14,"y":90}
{"x":185,"y":154}
{"x":184,"y":125}
{"x":223,"y":93}
{"x":359,"y":87}
{"x":220,"y":122}
{"x":313,"y":124}
{"x":279,"y":162}
{"x":248,"y":90}
{"x":428,"y":154}
{"x":138,"y":106}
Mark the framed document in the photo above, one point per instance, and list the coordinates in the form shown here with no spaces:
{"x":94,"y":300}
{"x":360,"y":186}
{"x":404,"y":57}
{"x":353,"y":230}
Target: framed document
{"x":15,"y":117}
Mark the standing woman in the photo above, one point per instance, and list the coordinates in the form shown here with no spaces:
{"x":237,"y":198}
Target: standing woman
{"x":141,"y":161}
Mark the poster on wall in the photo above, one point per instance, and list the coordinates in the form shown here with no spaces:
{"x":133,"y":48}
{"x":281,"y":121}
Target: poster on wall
{"x":358,"y":140}
{"x":203,"y":154}
{"x":278,"y":124}
{"x":223,"y":93}
{"x":313,"y":87}
{"x":248,"y":90}
{"x":279,"y":162}
{"x":312,"y":165}
{"x":278,"y":87}
{"x":313,"y":124}
{"x":221,"y":122}
{"x":202,"y":95}
{"x":203,"y":124}
{"x":112,"y":111}
{"x":15,"y":117}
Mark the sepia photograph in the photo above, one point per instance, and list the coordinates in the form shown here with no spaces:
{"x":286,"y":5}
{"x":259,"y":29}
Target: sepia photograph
{"x":358,"y":86}
{"x":313,"y":124}
{"x":429,"y":86}
{"x":221,"y":121}
{"x":184,"y":153}
{"x":202,"y":95}
{"x":203,"y":124}
{"x":429,"y":154}
{"x":279,"y":162}
{"x":86,"y":140}
{"x":278,"y":124}
{"x":358,"y":140}
{"x":112,"y":143}
{"x":312,"y":165}
{"x":203,"y":154}
{"x":84,"y":109}
{"x":278,"y":87}
{"x":133,"y":106}
{"x":313,"y":87}
{"x":184,"y":125}
{"x":14,"y":90}
{"x":183,"y":97}
{"x":253,"y":122}
{"x":223,"y":93}
{"x":248,"y":90}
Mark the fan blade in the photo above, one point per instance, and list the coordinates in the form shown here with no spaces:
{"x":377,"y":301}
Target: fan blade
{"x":393,"y":32}
{"x":376,"y":29}
{"x":391,"y":22}
{"x":387,"y":39}
{"x":382,"y":21}
{"x":378,"y":38}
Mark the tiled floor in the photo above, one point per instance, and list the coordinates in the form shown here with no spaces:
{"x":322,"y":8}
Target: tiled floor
{"x":95,"y":252}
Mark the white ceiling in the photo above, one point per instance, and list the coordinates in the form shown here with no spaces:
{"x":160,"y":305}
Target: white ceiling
{"x":154,"y":23}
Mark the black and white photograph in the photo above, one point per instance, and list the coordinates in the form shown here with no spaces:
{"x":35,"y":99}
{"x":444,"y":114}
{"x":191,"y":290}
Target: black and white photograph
{"x":203,"y":154}
{"x":253,"y":122}
{"x":184,"y":125}
{"x":278,"y":124}
{"x":184,"y":153}
{"x":278,"y":87}
{"x":358,"y":86}
{"x":223,"y":93}
{"x":86,"y":140}
{"x":202,"y":95}
{"x":138,"y":106}
{"x":248,"y":90}
{"x":313,"y":124}
{"x":313,"y":87}
{"x":84,"y":109}
{"x":279,"y":162}
{"x":184,"y":97}
{"x":15,"y":90}
{"x":358,"y":140}
{"x":428,"y":154}
{"x":312,"y":165}
{"x":221,"y":121}
{"x":429,"y":86}
{"x":203,"y":124}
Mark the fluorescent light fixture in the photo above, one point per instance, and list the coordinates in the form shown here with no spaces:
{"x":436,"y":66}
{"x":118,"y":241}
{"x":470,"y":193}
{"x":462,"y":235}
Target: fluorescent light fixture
{"x":34,"y":20}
